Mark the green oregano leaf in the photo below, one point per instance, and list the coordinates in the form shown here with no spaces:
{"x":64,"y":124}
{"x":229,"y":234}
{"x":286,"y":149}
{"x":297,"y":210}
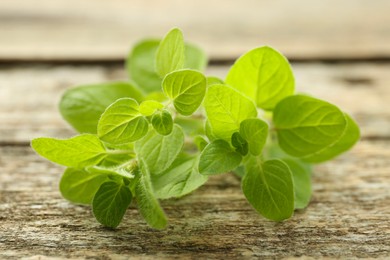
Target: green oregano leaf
{"x":264,"y":75}
{"x":82,"y":106}
{"x":122,"y":122}
{"x":212,"y":80}
{"x":268,"y":186}
{"x":170,"y":53}
{"x":80,"y":186}
{"x":218,"y":157}
{"x":149,"y":107}
{"x":76,"y":152}
{"x":195,"y":57}
{"x":148,"y":205}
{"x":239,"y":143}
{"x":159,"y":151}
{"x":186,"y":88}
{"x":110,"y":203}
{"x":180,"y":179}
{"x":306,"y":125}
{"x":226,"y":109}
{"x":255,"y":132}
{"x":162,"y":122}
{"x":350,"y":136}
{"x":302,"y":182}
{"x":140,"y":63}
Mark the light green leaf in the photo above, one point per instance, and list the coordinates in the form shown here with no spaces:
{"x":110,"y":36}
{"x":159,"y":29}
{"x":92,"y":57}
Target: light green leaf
{"x":306,"y":125}
{"x":180,"y":179}
{"x":170,"y":53}
{"x":302,"y":182}
{"x":76,"y":152}
{"x":82,"y":106}
{"x":148,"y":205}
{"x":162,"y":122}
{"x":159,"y":151}
{"x":200,"y":142}
{"x":79,"y":186}
{"x":350,"y":136}
{"x":110,"y":203}
{"x":226,"y":109}
{"x":148,"y":107}
{"x":191,"y":125}
{"x":255,"y":132}
{"x":211,"y":80}
{"x":218,"y":157}
{"x":195,"y":57}
{"x":140,"y":65}
{"x":264,"y":75}
{"x":186,"y":88}
{"x":269,"y":188}
{"x":122,"y":122}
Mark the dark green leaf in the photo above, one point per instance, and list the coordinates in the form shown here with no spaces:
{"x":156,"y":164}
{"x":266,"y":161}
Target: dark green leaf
{"x":269,"y":188}
{"x":110,"y":203}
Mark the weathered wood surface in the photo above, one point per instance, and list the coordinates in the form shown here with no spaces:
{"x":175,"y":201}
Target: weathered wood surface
{"x":348,"y":216}
{"x":104,"y":30}
{"x":30,"y":95}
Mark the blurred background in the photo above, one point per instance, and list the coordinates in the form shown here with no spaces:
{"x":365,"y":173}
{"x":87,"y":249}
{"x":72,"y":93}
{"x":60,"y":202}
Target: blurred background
{"x":105,"y":29}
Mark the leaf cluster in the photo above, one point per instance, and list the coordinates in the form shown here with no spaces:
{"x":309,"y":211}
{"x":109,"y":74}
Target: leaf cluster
{"x":163,"y":132}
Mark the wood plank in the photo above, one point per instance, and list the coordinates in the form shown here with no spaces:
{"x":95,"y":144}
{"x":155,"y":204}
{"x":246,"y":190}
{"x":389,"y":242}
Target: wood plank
{"x":348,"y":216}
{"x":29,"y":95}
{"x":104,"y":30}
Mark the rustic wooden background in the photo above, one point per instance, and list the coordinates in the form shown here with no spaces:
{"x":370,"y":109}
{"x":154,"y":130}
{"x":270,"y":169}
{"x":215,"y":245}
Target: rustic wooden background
{"x":340,"y":51}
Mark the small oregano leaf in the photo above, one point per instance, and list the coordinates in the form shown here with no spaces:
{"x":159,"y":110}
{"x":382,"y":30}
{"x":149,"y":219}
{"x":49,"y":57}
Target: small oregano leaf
{"x":122,"y":122}
{"x":162,"y":122}
{"x":178,"y":180}
{"x":226,"y":109}
{"x":218,"y":157}
{"x":264,"y":75}
{"x":268,"y":186}
{"x":302,"y":181}
{"x":140,"y":65}
{"x":148,"y":107}
{"x":195,"y":57}
{"x":239,"y":143}
{"x":212,"y":80}
{"x":76,"y":152}
{"x":79,"y":186}
{"x":82,"y":106}
{"x":159,"y":151}
{"x":255,"y":132}
{"x":306,"y":125}
{"x":186,"y":88}
{"x":350,"y":136}
{"x":148,"y":205}
{"x":170,"y":54}
{"x":110,"y":203}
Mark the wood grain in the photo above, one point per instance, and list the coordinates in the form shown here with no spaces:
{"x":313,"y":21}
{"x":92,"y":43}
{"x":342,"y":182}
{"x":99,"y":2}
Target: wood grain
{"x":348,"y":216}
{"x":29,"y":95}
{"x":104,"y":30}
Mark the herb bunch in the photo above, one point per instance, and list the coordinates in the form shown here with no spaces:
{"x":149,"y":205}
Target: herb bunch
{"x":161,"y":134}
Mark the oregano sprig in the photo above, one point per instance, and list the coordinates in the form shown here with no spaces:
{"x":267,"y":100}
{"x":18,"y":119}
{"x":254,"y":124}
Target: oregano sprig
{"x":160,"y":134}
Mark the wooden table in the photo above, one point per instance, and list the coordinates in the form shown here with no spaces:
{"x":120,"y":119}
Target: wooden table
{"x":340,"y":51}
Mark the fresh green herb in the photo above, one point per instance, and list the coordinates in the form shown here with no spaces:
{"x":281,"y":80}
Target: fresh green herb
{"x":161,"y":135}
